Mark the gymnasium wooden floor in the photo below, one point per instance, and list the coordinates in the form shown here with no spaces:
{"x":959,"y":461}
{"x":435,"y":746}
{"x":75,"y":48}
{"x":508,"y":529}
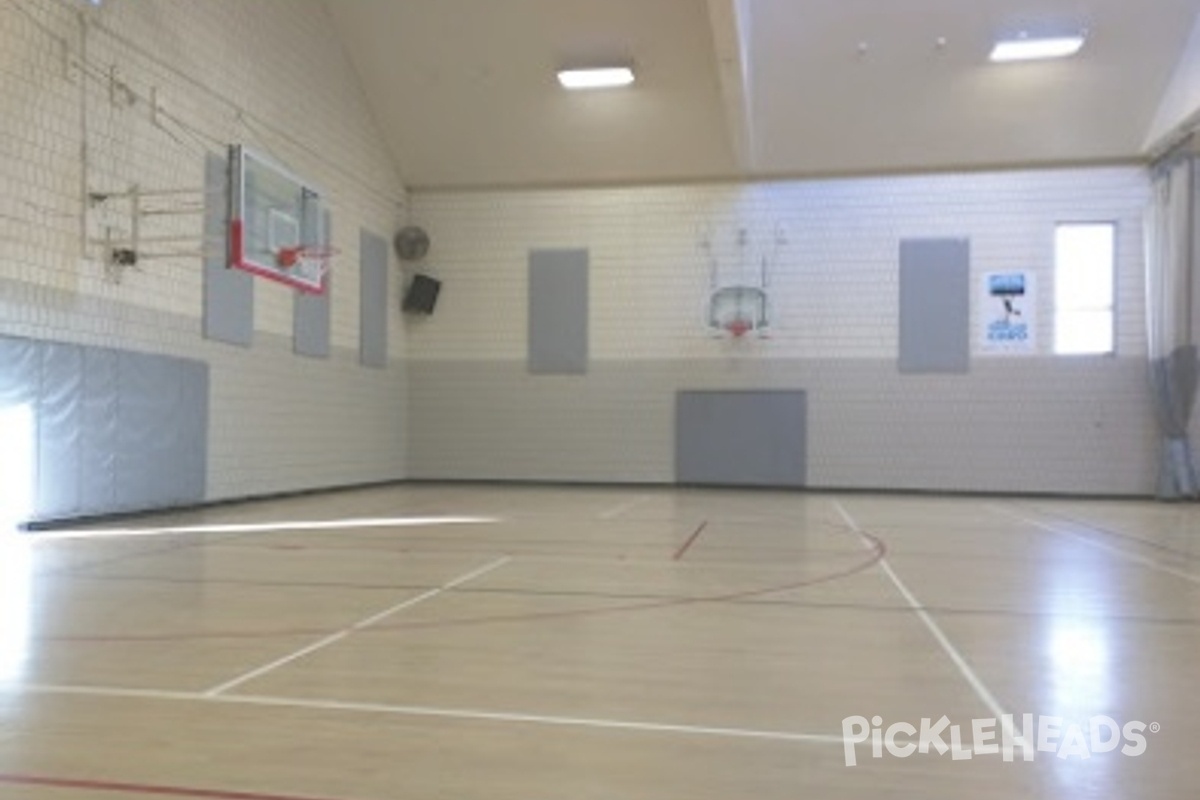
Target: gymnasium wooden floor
{"x":545,"y":644}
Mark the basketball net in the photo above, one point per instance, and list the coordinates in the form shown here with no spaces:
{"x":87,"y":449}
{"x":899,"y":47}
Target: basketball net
{"x":312,"y":261}
{"x":737,"y":328}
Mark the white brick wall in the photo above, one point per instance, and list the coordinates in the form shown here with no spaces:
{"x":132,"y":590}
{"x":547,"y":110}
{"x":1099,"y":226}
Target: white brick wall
{"x":835,"y":283}
{"x":266,"y":73}
{"x":1039,"y":423}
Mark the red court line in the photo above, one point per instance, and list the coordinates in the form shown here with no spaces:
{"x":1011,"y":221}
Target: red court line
{"x":140,"y":788}
{"x":679,"y":554}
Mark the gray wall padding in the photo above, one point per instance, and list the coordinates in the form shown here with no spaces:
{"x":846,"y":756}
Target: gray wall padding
{"x":20,"y":385}
{"x":60,"y":427}
{"x":373,"y":300}
{"x":311,"y":315}
{"x":113,"y":430}
{"x":558,"y":312}
{"x":156,"y":432}
{"x":935,"y":306}
{"x":101,"y":430}
{"x":741,"y":438}
{"x":228,"y":293}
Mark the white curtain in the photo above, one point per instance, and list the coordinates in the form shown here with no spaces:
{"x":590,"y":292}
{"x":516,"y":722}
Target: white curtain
{"x":1170,"y":250}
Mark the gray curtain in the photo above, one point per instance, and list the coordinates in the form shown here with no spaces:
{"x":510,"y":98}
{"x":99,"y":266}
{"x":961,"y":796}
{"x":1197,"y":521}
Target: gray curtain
{"x":1170,"y":252}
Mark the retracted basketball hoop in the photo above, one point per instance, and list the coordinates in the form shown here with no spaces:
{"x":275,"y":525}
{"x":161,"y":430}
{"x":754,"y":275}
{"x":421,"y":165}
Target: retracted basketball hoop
{"x":739,"y":300}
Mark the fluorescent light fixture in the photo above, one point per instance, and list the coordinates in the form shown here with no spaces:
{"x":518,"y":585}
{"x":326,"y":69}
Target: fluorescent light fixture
{"x":1026,"y":48}
{"x":602,"y":78}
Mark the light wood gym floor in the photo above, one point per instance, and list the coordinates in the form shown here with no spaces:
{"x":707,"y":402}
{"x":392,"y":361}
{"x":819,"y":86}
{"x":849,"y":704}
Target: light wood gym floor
{"x":526,"y":643}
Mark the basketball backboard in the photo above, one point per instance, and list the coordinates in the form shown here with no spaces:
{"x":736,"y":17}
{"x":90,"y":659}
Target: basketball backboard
{"x":277,"y":223}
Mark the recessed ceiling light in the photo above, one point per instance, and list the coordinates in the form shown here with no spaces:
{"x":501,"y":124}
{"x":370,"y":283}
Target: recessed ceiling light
{"x":1026,"y":48}
{"x":602,"y":78}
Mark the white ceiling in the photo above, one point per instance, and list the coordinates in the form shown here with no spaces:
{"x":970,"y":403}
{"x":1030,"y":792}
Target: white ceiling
{"x":466,"y":96}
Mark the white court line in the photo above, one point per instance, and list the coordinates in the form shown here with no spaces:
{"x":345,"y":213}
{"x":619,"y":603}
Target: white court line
{"x":274,"y":665}
{"x":328,"y":640}
{"x":469,"y":715}
{"x":1058,"y":531}
{"x":977,"y":684}
{"x":617,"y":511}
{"x":540,"y":719}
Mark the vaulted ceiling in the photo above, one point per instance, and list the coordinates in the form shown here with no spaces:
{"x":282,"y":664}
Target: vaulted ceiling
{"x":465,"y":90}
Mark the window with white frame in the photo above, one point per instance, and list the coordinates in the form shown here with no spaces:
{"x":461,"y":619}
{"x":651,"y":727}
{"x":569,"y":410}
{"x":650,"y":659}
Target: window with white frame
{"x":1084,"y":283}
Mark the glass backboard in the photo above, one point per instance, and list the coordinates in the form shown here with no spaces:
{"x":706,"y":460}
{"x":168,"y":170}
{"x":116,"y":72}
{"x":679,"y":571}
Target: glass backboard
{"x":277,"y":223}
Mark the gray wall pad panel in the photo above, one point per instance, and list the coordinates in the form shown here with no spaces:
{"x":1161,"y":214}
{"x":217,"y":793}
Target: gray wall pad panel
{"x":252,"y":449}
{"x":20,"y":372}
{"x":191,"y":458}
{"x":1076,"y":425}
{"x":157,"y":436}
{"x":144,"y":434}
{"x":935,"y":306}
{"x":373,"y":300}
{"x":741,"y":438}
{"x":101,"y":428}
{"x":311,"y":316}
{"x":558,"y":312}
{"x":20,"y":388}
{"x":61,"y":424}
{"x":228,"y":293}
{"x":113,"y":431}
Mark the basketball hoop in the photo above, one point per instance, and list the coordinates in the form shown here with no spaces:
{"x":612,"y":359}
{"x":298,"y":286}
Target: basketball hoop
{"x":737,"y":328}
{"x":288,"y":257}
{"x":734,"y":311}
{"x":307,"y":261}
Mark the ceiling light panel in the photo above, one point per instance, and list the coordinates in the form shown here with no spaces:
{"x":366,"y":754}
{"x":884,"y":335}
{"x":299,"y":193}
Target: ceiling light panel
{"x":602,"y":78}
{"x":1028,"y":48}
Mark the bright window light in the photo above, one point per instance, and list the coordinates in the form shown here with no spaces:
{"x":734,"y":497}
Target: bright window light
{"x":1084,"y":284}
{"x":16,"y":506}
{"x":1030,"y":49}
{"x":605,"y":78}
{"x":16,"y":466}
{"x":16,"y":605}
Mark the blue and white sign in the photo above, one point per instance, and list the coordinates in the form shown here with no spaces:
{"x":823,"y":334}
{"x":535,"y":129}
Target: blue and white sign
{"x":1008,"y":313}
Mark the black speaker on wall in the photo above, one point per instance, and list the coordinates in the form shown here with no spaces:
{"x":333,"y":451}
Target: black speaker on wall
{"x":422,"y":295}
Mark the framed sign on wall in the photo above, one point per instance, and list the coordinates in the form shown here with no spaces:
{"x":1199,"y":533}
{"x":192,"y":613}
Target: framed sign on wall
{"x":1008,"y":313}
